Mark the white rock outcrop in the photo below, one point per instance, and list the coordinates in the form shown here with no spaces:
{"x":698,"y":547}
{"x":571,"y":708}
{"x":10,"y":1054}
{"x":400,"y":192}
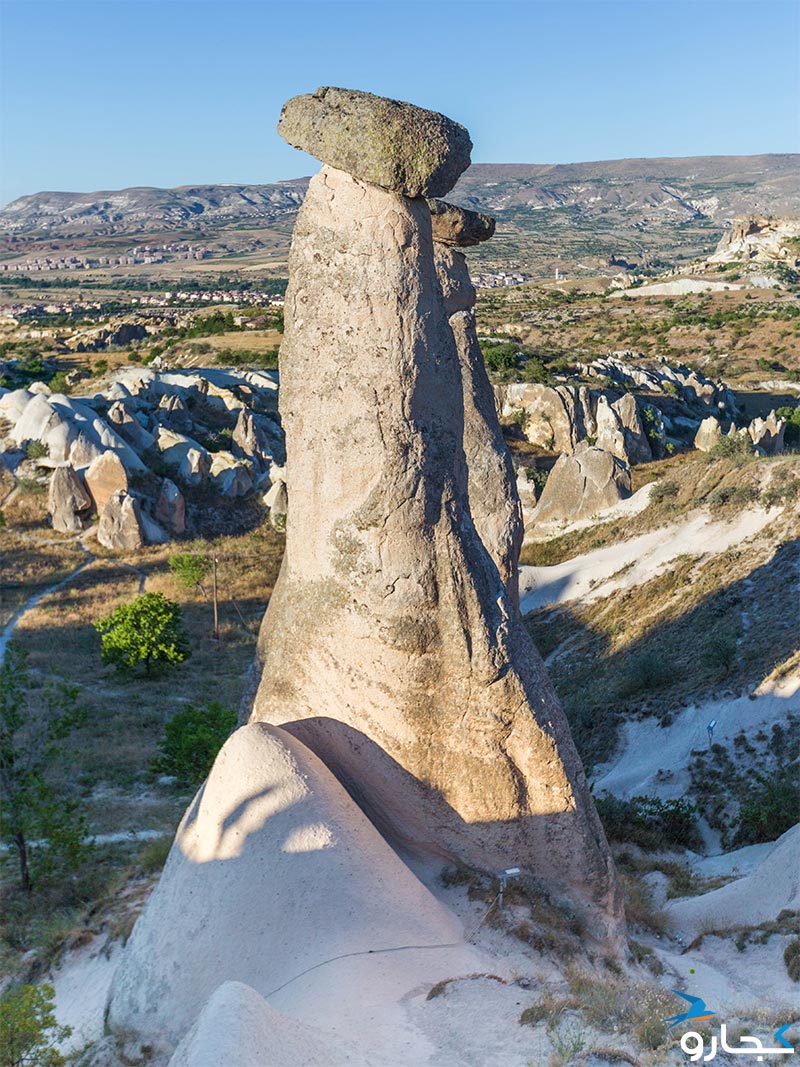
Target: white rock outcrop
{"x":274,"y":871}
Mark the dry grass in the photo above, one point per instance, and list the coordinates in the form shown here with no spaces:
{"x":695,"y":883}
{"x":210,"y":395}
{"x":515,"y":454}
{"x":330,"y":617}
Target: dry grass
{"x":724,"y":621}
{"x":127,"y":714}
{"x":29,"y":566}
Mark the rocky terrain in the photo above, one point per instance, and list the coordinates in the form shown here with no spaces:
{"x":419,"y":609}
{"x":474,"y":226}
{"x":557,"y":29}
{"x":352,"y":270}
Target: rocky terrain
{"x":423,"y":714}
{"x":579,"y":217}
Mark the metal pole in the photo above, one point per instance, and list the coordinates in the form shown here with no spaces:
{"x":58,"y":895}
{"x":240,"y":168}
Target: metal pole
{"x":214,"y":593}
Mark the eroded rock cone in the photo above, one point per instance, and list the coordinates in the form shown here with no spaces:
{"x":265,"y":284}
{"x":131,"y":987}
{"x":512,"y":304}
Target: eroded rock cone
{"x":390,"y":646}
{"x":67,"y":500}
{"x":493,"y":500}
{"x":583,"y":483}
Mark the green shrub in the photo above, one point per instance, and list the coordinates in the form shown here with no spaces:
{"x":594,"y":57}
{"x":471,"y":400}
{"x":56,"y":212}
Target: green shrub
{"x":645,"y":671}
{"x":29,"y":487}
{"x":720,"y":650}
{"x":791,"y":957}
{"x":737,"y":447}
{"x":149,"y":630}
{"x":502,"y":355}
{"x":791,"y":415}
{"x":650,"y":822}
{"x":58,"y":383}
{"x":192,"y":739}
{"x":29,"y":1031}
{"x":36,"y":450}
{"x":661,"y":491}
{"x":538,"y":478}
{"x":190,"y":569}
{"x":771,"y":807}
{"x":100,"y":367}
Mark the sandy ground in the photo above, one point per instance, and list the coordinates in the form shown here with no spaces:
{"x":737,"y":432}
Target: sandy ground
{"x":82,"y":981}
{"x":606,"y":570}
{"x":653,"y":759}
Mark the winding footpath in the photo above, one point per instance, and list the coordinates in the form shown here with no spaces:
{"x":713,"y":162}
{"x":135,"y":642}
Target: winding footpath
{"x":14,"y":621}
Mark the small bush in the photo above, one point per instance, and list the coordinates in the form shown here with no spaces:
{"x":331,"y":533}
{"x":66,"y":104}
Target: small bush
{"x":29,"y":487}
{"x":149,"y":630}
{"x":36,"y":450}
{"x":661,"y":491}
{"x":772,"y":807}
{"x":738,"y":447}
{"x":791,"y":957}
{"x":190,"y":569}
{"x":154,"y":854}
{"x":58,"y":383}
{"x":644,"y":672}
{"x":29,"y":1031}
{"x":501,"y":355}
{"x":650,"y":822}
{"x":720,"y":651}
{"x":192,"y":739}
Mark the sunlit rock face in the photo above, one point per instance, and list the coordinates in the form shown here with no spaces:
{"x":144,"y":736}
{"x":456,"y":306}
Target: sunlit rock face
{"x":274,"y":870}
{"x":392,"y":645}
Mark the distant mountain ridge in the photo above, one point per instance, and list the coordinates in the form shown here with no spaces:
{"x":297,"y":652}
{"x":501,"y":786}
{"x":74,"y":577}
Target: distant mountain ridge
{"x":143,"y":208}
{"x":651,"y":210}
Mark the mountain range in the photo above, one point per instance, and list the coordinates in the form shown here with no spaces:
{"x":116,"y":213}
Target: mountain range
{"x":643,"y":211}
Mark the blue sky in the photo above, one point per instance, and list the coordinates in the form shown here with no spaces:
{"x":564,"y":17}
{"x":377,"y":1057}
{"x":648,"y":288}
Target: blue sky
{"x":107,"y":94}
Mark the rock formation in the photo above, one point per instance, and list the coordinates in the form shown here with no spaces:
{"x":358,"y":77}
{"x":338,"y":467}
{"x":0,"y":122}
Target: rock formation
{"x":492,"y":491}
{"x":238,"y":1028}
{"x":581,"y":484}
{"x":620,"y":430}
{"x":708,"y":434}
{"x":67,"y":500}
{"x":171,"y":507}
{"x":105,"y":475}
{"x":393,"y":144}
{"x":273,"y":871}
{"x":390,"y":646}
{"x":767,"y":434}
{"x":120,"y":527}
{"x":557,"y":418}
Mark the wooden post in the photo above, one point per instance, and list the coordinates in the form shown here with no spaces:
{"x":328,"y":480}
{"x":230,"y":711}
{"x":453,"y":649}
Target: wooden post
{"x":216,"y":607}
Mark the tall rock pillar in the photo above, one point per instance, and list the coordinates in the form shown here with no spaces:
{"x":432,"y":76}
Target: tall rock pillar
{"x":391,"y":645}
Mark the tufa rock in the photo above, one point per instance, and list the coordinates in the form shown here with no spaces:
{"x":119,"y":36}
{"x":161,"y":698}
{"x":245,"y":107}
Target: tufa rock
{"x":67,"y":500}
{"x":390,"y":646}
{"x":171,"y":507}
{"x":581,"y":484}
{"x":104,"y":476}
{"x":238,"y":1026}
{"x":120,"y":526}
{"x":558,"y":419}
{"x":249,"y":440}
{"x":276,"y":497}
{"x":274,"y":869}
{"x":493,"y":500}
{"x":456,"y":226}
{"x":767,"y":434}
{"x":708,"y":434}
{"x":398,"y":146}
{"x":620,"y":430}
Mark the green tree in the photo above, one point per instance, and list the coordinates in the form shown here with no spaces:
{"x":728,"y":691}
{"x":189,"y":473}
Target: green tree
{"x":29,"y":1030}
{"x":192,"y":739}
{"x":149,"y":630}
{"x":190,"y":569}
{"x":33,"y":730}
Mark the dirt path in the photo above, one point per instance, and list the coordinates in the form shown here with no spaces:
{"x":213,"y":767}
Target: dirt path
{"x":14,"y":621}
